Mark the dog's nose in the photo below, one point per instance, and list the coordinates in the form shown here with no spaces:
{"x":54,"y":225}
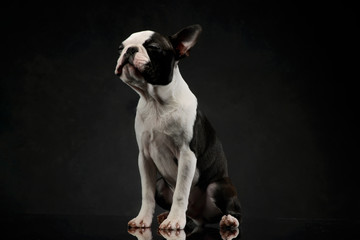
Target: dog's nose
{"x":132,"y":50}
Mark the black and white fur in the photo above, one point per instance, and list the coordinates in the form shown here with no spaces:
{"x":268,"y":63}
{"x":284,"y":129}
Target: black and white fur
{"x":181,"y":161}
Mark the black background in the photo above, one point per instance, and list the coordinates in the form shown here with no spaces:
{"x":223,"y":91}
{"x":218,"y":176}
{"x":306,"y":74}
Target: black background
{"x":275,"y":79}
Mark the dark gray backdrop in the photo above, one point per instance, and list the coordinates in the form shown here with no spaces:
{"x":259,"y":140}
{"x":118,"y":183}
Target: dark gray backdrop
{"x":274,"y":79}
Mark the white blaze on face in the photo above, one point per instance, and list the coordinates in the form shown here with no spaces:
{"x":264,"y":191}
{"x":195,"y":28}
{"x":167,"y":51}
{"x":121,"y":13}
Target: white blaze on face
{"x":141,"y":58}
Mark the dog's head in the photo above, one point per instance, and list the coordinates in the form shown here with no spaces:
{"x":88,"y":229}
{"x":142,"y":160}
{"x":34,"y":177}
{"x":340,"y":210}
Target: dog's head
{"x":148,"y":57}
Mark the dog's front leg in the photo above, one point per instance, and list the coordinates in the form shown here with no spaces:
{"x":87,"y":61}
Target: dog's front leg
{"x":186,"y":170}
{"x":148,"y":181}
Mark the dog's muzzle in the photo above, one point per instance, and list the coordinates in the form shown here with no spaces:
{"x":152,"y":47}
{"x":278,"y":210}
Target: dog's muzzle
{"x":128,"y":58}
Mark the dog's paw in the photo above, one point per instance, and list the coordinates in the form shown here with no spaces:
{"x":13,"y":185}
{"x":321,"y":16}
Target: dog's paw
{"x":140,"y":222}
{"x":141,"y":233}
{"x":228,"y":221}
{"x":174,"y":222}
{"x":173,"y":234}
{"x":229,"y":234}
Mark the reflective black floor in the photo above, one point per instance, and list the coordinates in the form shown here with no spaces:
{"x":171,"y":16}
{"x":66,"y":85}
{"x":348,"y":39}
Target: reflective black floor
{"x":115,"y":227}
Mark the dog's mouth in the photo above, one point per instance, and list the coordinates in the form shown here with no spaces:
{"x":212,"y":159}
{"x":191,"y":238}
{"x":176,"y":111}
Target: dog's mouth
{"x":129,"y":70}
{"x":130,"y":75}
{"x":128,"y":61}
{"x":119,"y":70}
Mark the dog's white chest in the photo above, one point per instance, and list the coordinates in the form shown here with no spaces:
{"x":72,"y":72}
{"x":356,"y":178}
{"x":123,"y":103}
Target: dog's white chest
{"x":160,"y":138}
{"x":161,"y":132}
{"x":160,"y":149}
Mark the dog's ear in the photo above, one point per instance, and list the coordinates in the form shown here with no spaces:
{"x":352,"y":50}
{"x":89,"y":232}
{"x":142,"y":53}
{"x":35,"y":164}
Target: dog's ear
{"x":184,"y":40}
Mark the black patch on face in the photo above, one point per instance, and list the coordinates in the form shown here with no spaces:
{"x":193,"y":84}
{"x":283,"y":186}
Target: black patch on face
{"x":159,"y":70}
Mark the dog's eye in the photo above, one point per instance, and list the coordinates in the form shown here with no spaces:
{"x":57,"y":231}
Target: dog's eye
{"x":121,"y":48}
{"x":153,"y":46}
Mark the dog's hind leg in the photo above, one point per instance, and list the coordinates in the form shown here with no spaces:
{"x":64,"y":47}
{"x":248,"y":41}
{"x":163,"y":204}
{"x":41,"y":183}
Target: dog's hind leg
{"x":163,"y":197}
{"x":224,"y":195}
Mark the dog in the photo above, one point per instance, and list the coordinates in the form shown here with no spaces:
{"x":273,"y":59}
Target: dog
{"x":181,"y":161}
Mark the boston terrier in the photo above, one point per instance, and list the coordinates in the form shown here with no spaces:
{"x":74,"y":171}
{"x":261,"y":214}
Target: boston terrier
{"x":182,"y":164}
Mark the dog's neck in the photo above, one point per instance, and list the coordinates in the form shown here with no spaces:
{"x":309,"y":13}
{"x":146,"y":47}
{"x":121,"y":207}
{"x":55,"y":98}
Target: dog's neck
{"x":168,"y":94}
{"x":163,"y":100}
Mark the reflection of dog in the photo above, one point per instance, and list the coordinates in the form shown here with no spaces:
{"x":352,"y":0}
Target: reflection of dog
{"x":196,"y":234}
{"x":175,"y":139}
